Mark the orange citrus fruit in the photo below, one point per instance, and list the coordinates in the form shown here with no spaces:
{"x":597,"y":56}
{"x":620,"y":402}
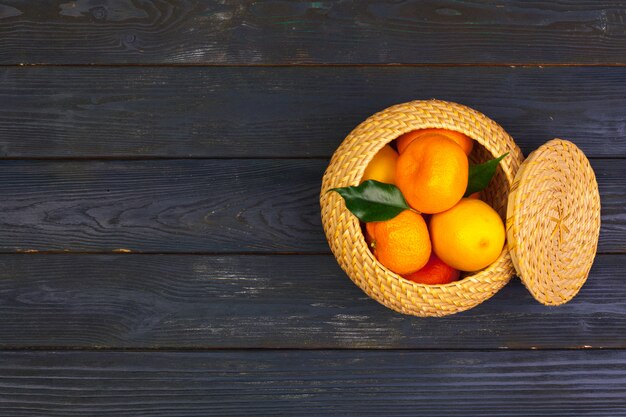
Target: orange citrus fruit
{"x":461,"y":139}
{"x":402,"y":244}
{"x":382,"y":167}
{"x":469,"y":236}
{"x":434,"y":272}
{"x":432,"y":173}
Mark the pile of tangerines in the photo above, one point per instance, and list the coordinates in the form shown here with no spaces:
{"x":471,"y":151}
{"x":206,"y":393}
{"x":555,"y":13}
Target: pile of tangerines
{"x":444,"y":233}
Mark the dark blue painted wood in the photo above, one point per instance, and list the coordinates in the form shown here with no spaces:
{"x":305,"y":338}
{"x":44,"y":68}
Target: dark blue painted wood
{"x":271,"y":301}
{"x":314,"y":383}
{"x":271,"y":32}
{"x":228,"y":209}
{"x":287,"y":112}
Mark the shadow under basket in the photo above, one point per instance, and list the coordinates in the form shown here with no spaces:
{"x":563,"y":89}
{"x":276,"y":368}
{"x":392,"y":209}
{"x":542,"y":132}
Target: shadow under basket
{"x":550,"y":205}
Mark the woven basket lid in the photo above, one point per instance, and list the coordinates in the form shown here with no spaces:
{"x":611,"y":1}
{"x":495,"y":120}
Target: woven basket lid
{"x":553,"y":221}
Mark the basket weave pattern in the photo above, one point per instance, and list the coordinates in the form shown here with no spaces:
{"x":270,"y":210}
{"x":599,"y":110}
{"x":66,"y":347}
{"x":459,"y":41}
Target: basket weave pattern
{"x":553,"y":221}
{"x":343,"y":229}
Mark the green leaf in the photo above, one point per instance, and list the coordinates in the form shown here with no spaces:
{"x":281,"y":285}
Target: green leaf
{"x":373,"y":201}
{"x":480,"y":175}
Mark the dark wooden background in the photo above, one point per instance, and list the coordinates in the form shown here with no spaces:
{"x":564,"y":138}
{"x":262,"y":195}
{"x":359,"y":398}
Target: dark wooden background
{"x":161,"y":252}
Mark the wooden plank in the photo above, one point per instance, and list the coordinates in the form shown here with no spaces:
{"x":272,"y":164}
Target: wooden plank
{"x":162,"y":206}
{"x":278,"y":32}
{"x":313,"y":383}
{"x":272,"y":301}
{"x":287,"y":112}
{"x":196,"y":206}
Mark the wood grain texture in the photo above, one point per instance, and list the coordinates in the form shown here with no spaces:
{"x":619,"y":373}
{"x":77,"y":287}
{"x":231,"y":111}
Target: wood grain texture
{"x":275,"y":301}
{"x":313,"y":383}
{"x":196,"y":206}
{"x":287,"y":112}
{"x":271,"y":32}
{"x":163,"y":206}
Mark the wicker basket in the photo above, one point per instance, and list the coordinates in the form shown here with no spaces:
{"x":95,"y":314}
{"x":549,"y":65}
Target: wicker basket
{"x":346,"y":239}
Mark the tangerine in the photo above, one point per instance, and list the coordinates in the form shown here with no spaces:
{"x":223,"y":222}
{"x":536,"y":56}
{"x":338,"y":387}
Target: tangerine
{"x":461,"y":139}
{"x":382,"y":167}
{"x":401,"y":244}
{"x":432,"y":173}
{"x":469,"y":236}
{"x":435,"y":272}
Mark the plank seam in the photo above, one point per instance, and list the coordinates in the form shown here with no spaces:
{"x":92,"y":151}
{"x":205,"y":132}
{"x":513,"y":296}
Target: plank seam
{"x":291,"y":349}
{"x":322,"y":65}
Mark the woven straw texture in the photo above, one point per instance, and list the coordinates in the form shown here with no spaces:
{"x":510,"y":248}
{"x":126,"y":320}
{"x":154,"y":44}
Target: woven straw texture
{"x":553,"y":221}
{"x":343,"y":229}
